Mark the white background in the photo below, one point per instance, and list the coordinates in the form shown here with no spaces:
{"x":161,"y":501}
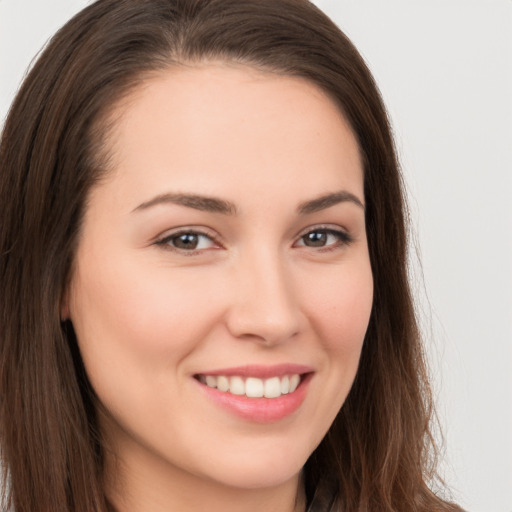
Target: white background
{"x":445,"y":71}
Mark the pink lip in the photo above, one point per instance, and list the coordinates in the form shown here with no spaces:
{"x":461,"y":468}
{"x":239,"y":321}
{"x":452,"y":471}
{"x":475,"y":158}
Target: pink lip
{"x":260,"y":410}
{"x":261,"y":371}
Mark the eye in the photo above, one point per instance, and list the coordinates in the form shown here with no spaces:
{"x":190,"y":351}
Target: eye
{"x":324,"y":238}
{"x":187,"y":241}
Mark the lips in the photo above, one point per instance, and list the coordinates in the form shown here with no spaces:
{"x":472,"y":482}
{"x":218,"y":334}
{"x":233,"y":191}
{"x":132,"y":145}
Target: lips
{"x":257,"y":393}
{"x":253,"y":387}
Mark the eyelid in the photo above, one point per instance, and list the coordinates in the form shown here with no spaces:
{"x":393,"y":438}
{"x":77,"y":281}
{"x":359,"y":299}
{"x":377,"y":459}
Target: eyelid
{"x":163,"y":239}
{"x":345,"y":238}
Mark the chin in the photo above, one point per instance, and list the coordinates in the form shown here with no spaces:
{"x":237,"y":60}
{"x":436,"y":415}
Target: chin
{"x":244,"y":477}
{"x":265,"y":469}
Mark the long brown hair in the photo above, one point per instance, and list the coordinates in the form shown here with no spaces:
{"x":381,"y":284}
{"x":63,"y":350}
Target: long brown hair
{"x":379,"y":453}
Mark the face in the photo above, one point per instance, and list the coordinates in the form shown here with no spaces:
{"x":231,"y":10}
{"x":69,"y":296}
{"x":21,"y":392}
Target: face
{"x":222,"y":285}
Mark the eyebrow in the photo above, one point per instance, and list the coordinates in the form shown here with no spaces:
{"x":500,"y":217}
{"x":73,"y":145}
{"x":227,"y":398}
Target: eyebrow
{"x":328,"y":200}
{"x":203,"y":203}
{"x":215,"y":205}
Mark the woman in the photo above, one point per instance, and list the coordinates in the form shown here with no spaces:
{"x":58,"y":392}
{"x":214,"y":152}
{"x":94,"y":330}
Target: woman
{"x":204,"y":270}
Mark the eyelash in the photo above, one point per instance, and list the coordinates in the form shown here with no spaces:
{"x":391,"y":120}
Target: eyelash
{"x":343,"y":239}
{"x":165,"y":242}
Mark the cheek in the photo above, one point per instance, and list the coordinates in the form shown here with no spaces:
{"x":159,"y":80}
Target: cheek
{"x":145,"y":320}
{"x":134,"y":328}
{"x":340,"y":309}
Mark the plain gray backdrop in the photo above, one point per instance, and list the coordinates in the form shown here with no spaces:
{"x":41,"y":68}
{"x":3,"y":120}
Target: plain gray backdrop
{"x":445,"y":70}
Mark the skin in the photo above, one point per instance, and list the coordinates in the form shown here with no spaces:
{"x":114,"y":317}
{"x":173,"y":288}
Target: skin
{"x":149,"y":316}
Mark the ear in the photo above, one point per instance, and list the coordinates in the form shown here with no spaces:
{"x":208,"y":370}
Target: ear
{"x":64,"y":306}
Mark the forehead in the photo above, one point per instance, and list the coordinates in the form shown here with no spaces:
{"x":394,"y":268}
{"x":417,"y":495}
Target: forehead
{"x":217,"y":124}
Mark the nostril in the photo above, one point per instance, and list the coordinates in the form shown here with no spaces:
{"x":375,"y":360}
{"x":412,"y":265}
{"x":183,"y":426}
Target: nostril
{"x":265,"y":329}
{"x":264,"y":307}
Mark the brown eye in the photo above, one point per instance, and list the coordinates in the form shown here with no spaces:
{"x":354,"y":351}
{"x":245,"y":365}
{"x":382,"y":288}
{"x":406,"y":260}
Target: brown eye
{"x":315,"y":239}
{"x":324,"y":238}
{"x":187,"y":241}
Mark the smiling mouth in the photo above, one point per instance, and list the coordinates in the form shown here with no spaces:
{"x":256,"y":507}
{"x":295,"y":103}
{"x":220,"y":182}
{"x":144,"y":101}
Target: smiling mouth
{"x":253,"y":387}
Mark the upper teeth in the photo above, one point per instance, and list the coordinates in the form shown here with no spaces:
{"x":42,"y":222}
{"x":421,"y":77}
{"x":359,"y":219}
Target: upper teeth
{"x":253,"y":387}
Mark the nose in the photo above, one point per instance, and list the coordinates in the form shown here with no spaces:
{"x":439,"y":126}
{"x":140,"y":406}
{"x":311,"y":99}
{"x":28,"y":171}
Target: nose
{"x":264,"y":307}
